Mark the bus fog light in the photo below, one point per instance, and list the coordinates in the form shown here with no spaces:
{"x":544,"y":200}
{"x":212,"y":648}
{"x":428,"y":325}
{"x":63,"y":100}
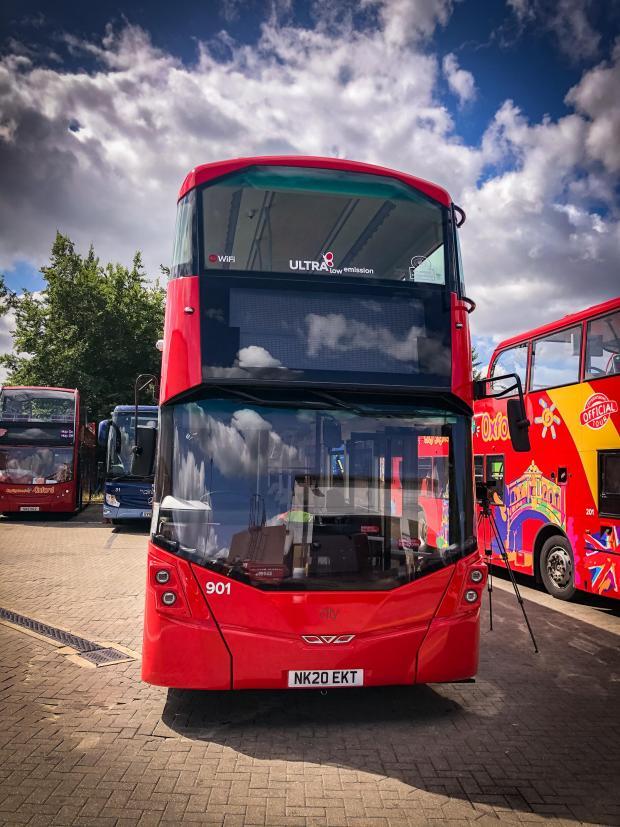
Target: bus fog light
{"x":162,"y":576}
{"x":471,"y":596}
{"x":168,"y":598}
{"x":476,"y":576}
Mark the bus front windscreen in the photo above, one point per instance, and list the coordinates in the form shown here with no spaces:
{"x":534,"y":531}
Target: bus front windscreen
{"x":121,"y":438}
{"x":30,"y":465}
{"x":323,"y":499}
{"x":36,"y":405}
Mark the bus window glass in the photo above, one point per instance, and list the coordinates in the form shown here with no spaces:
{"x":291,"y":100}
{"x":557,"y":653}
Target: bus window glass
{"x":513,"y":360}
{"x":459,"y":260}
{"x":36,"y":466}
{"x":603,"y":347}
{"x":36,"y":405}
{"x":309,"y":223}
{"x":555,"y":359}
{"x":495,"y":473}
{"x":609,"y":483}
{"x":479,"y":468}
{"x":291,"y":498}
{"x":182,"y":251}
{"x":121,"y":437}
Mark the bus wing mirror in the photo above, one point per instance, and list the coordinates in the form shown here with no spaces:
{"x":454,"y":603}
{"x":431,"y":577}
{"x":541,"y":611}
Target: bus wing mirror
{"x":102,"y":432}
{"x":518,"y":425}
{"x":143,"y":457}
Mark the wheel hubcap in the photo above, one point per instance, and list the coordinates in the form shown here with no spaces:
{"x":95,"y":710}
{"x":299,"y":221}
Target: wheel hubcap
{"x":560,"y":567}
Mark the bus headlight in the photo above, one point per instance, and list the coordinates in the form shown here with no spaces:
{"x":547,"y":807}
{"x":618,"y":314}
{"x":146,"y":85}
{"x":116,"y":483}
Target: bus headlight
{"x":471,"y":596}
{"x":110,"y":499}
{"x":168,"y":598}
{"x":476,"y":576}
{"x":162,"y":576}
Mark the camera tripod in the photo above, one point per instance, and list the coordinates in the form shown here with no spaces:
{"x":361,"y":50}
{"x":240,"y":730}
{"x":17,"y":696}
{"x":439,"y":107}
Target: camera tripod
{"x":486,"y":517}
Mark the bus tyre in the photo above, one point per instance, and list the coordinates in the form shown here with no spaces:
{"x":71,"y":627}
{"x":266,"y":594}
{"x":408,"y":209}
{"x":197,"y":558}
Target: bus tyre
{"x":557,"y":567}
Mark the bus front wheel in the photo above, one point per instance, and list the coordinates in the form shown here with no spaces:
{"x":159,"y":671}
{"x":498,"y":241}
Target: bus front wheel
{"x":557,"y":568}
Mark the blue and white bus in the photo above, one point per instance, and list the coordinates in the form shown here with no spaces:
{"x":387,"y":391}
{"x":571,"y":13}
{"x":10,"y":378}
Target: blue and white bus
{"x":126,"y":495}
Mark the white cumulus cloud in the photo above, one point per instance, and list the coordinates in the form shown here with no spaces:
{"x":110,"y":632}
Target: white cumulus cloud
{"x":100,"y":154}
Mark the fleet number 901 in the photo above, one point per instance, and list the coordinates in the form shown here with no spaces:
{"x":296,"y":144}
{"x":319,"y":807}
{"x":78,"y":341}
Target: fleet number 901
{"x":217,"y":588}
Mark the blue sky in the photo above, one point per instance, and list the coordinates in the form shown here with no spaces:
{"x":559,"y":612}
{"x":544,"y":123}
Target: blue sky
{"x":106,"y":106}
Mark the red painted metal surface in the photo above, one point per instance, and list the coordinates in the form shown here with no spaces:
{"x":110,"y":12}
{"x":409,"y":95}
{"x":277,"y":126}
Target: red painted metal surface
{"x":180,"y":367}
{"x":208,"y":172}
{"x":553,"y":489}
{"x":462,"y":384}
{"x":251,"y":639}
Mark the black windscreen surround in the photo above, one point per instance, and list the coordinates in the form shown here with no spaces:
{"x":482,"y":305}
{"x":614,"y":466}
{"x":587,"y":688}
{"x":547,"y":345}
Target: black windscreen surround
{"x":302,"y":332}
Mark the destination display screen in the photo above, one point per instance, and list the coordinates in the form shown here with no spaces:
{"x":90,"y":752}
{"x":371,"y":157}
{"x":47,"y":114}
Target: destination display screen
{"x":305,"y":333}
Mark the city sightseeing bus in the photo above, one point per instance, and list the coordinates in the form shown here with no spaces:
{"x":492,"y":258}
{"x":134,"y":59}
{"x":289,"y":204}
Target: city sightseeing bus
{"x":127,"y":496}
{"x":557,"y":507}
{"x":47,"y":450}
{"x":316,"y":366}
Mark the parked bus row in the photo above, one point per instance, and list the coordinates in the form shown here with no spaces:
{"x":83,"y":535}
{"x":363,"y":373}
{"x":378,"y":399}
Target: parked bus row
{"x":48,"y":460}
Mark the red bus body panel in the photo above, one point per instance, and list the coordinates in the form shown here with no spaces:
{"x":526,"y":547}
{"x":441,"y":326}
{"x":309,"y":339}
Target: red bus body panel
{"x":250,"y":639}
{"x":180,"y":368}
{"x":536,"y":501}
{"x":208,"y":172}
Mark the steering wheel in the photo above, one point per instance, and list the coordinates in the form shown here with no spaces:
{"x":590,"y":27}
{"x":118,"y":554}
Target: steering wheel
{"x":594,"y":371}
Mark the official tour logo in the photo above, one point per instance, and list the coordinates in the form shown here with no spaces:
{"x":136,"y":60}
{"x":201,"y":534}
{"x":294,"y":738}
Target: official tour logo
{"x":597,"y":410}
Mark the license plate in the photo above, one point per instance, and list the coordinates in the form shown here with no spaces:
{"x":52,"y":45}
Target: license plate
{"x":29,"y":508}
{"x":306,"y":679}
{"x":147,"y":513}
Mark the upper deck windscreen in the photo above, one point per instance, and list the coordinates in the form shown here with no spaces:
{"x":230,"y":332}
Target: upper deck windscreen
{"x":326,"y":223}
{"x":36,"y":405}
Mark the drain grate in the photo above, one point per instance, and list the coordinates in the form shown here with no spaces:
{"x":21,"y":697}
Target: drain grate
{"x":88,"y":649}
{"x":103,"y":657}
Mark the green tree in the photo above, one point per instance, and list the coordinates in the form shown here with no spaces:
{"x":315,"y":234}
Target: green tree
{"x":476,"y":361}
{"x":92,"y":327}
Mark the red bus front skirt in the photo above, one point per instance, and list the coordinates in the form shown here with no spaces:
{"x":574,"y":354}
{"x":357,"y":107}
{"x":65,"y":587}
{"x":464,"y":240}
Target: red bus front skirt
{"x":222,"y":634}
{"x":59,"y":497}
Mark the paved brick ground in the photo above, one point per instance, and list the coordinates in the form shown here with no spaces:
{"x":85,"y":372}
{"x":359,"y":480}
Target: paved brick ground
{"x":537,"y":738}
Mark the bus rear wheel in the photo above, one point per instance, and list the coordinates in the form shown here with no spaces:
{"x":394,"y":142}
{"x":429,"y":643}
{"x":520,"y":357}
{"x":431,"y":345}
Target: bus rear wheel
{"x":557,"y":567}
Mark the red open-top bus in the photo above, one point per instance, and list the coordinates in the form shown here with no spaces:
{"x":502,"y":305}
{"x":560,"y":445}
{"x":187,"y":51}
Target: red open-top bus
{"x":47,"y":451}
{"x":557,"y":506}
{"x":313,"y":519}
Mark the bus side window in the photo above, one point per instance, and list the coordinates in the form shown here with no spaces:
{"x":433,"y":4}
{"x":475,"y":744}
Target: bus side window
{"x":609,"y":483}
{"x":495,"y":473}
{"x":479,"y":467}
{"x":555,"y":359}
{"x":603,"y":346}
{"x":513,"y":360}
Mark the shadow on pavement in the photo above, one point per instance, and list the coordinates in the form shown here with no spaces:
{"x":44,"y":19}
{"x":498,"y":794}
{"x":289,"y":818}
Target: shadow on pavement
{"x":535,"y":734}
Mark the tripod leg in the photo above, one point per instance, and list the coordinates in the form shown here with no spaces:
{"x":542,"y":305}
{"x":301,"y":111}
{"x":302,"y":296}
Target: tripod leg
{"x":489,"y":576}
{"x":502,"y":551}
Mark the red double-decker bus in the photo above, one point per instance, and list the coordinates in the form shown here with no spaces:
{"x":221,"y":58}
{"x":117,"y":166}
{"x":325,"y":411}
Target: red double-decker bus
{"x":557,"y":506}
{"x":47,"y":450}
{"x":313,"y":518}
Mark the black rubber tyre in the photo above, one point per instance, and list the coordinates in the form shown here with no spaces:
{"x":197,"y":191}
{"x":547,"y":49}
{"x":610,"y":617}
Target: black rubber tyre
{"x":557,"y":567}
